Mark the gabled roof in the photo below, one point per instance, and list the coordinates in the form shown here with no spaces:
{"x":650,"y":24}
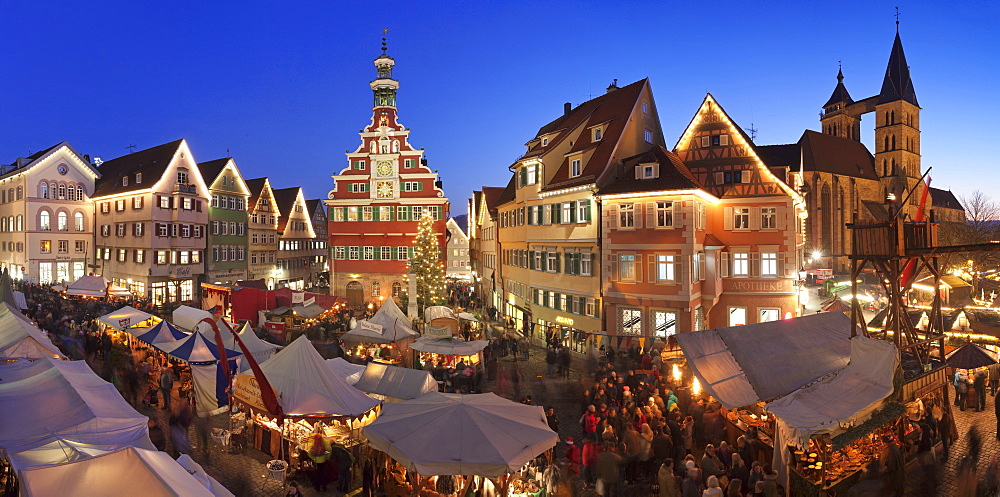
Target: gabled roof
{"x":897,"y":84}
{"x":673,"y":174}
{"x":945,"y":199}
{"x":462,"y":222}
{"x":836,"y":155}
{"x":840,"y":93}
{"x":491,"y":198}
{"x":612,"y":111}
{"x":256,"y":187}
{"x":212,"y":169}
{"x":152,"y":162}
{"x":23,"y":163}
{"x":312,"y":205}
{"x":284,"y":199}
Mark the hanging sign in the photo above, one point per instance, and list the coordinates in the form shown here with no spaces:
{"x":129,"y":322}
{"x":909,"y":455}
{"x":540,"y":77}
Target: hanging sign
{"x":247,"y":390}
{"x":373,"y":327}
{"x":444,"y":332}
{"x":309,"y":302}
{"x":298,"y":297}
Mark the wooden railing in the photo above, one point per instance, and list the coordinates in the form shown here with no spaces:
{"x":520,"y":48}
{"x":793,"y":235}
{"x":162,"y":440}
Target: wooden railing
{"x":890,"y":239}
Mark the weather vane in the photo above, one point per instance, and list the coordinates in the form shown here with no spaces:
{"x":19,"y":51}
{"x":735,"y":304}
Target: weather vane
{"x":385,"y":32}
{"x":897,"y":18}
{"x":130,"y":148}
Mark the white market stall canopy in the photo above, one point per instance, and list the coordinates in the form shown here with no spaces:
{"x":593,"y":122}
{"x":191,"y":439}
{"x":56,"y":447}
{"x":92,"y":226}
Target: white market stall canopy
{"x":259,"y":349}
{"x":195,"y":470}
{"x":348,"y":371}
{"x":743,"y":365}
{"x":125,"y":317}
{"x":449,"y":346}
{"x":122,"y":472}
{"x":454,"y":434}
{"x":52,"y":402}
{"x":20,"y":339}
{"x":468,"y":317}
{"x":162,"y":332}
{"x":395,"y":383}
{"x":305,"y":386}
{"x":95,"y":286}
{"x":438,"y":311}
{"x":308,"y":311}
{"x":194,"y":348}
{"x":388,"y":325}
{"x":188,"y":317}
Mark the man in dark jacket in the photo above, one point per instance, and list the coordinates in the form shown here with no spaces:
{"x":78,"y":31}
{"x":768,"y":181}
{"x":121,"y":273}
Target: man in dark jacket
{"x":979,"y":382}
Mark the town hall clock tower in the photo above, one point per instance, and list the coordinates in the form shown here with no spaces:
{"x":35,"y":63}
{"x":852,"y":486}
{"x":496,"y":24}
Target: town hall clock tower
{"x":378,"y":200}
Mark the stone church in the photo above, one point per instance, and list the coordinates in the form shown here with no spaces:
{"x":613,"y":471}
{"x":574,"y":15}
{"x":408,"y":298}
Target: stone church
{"x":844,"y":182}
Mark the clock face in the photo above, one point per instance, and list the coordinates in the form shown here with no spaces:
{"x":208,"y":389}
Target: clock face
{"x":384,"y":189}
{"x":384,"y":168}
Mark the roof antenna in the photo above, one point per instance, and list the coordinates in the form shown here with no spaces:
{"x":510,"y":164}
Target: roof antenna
{"x":130,"y":148}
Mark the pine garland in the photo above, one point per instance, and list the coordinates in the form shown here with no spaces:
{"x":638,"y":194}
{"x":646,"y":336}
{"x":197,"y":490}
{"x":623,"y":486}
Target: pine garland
{"x":426,"y":265}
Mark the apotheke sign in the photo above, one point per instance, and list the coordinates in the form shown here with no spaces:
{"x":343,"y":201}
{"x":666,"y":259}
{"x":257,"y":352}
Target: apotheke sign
{"x":768,"y":286}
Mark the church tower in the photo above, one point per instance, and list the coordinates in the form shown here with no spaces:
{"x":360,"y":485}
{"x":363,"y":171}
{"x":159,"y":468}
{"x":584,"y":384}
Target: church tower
{"x":897,"y":128}
{"x":837,"y":118}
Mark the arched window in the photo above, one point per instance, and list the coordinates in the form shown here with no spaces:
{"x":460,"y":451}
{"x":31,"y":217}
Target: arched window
{"x":885,"y":168}
{"x":397,"y":289}
{"x":893,"y":142}
{"x":79,"y":192}
{"x":62,"y":192}
{"x":376,"y":289}
{"x":892,"y":117}
{"x":43,"y":190}
{"x":885,"y":148}
{"x":78,"y":221}
{"x":62,"y":221}
{"x":44,"y":223}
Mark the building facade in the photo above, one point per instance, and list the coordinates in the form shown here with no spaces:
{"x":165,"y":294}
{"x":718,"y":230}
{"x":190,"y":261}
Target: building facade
{"x":483,"y":245}
{"x":227,"y":251}
{"x":151,"y":215}
{"x":295,"y":240}
{"x":46,"y":215}
{"x":459,"y":267}
{"x":320,"y":252}
{"x":263,"y":242}
{"x":378,"y":200}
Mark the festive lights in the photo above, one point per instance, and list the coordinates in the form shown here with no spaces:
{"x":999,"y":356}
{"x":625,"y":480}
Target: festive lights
{"x":426,"y":264}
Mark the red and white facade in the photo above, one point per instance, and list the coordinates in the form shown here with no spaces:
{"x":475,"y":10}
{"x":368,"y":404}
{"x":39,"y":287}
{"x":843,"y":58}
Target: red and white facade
{"x":377,"y":202}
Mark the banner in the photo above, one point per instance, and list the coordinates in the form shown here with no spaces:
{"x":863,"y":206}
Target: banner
{"x":642,"y":343}
{"x":247,"y":390}
{"x":309,"y":302}
{"x":443,"y":332}
{"x":597,"y":341}
{"x":298,"y":297}
{"x":374,"y":327}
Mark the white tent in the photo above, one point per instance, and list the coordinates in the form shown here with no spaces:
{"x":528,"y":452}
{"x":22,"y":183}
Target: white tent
{"x":20,"y":339}
{"x":62,"y":401}
{"x":468,"y":317}
{"x":453,"y":434}
{"x":304,"y":385}
{"x":126,"y":317}
{"x":388,"y":325}
{"x":95,"y":286}
{"x":449,"y":346}
{"x":127,"y":471}
{"x":350,"y":372}
{"x":204,"y":478}
{"x":742,"y":365}
{"x":259,"y":349}
{"x":393,"y":383}
{"x":438,"y":311}
{"x":188,"y":317}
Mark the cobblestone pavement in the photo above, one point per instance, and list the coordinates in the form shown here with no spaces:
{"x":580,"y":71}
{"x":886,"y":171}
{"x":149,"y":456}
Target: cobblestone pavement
{"x":986,"y":423}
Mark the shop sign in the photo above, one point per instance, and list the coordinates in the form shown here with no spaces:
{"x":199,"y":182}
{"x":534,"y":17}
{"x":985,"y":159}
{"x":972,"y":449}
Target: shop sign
{"x":432,"y":332}
{"x":564,"y":320}
{"x":770,"y":286}
{"x":309,"y":302}
{"x":373,"y":327}
{"x":276,"y":329}
{"x":298,"y":297}
{"x":248,"y":391}
{"x":183,"y":271}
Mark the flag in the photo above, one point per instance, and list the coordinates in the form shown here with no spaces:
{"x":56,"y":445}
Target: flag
{"x":918,"y":217}
{"x":266,"y":391}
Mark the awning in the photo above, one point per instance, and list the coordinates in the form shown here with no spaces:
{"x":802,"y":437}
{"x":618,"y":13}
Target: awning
{"x":743,"y":365}
{"x":309,"y":311}
{"x":395,"y":382}
{"x":449,"y":346}
{"x":125,"y":317}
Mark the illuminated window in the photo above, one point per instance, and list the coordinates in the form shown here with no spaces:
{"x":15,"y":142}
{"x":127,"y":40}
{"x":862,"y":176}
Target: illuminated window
{"x":626,"y":215}
{"x":62,"y":221}
{"x":664,"y":323}
{"x":665,"y":268}
{"x":768,"y":218}
{"x":741,"y":264}
{"x":629,"y":321}
{"x":664,"y":214}
{"x":769,"y":315}
{"x":626,"y":267}
{"x":737,"y":316}
{"x":768,"y":264}
{"x":741,"y":218}
{"x":46,"y":246}
{"x":44,"y":221}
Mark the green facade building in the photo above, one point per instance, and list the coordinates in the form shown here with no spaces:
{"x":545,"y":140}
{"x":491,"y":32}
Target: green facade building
{"x":227,"y":255}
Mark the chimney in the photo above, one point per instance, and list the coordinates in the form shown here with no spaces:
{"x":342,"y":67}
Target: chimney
{"x":613,"y":86}
{"x":567,"y":108}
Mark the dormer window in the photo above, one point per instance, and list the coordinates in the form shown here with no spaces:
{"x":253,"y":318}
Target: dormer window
{"x":575,"y":168}
{"x":124,"y":180}
{"x":647,"y":171}
{"x":138,"y":178}
{"x":545,"y":142}
{"x":597,"y":133}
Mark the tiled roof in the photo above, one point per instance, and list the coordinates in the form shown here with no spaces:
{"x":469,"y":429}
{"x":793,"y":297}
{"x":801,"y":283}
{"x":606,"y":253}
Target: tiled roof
{"x":312,"y":205}
{"x":284,"y":199}
{"x":835,"y":155}
{"x":786,"y":155}
{"x":508,"y":194}
{"x":673,"y":174}
{"x":491,"y":197}
{"x":152,"y":162}
{"x":31,"y":158}
{"x":944,"y":199}
{"x":612,"y":110}
{"x":256,"y":187}
{"x":212,"y":169}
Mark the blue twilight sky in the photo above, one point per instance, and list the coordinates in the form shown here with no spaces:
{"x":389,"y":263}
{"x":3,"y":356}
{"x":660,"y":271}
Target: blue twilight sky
{"x":284,"y":85}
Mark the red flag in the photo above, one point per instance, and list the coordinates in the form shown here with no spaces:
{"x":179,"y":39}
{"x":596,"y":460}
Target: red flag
{"x":266,"y":392}
{"x":918,"y":217}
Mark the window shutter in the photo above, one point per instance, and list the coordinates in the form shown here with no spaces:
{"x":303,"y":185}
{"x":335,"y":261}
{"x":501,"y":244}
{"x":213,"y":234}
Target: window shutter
{"x":531,"y":215}
{"x":704,"y":141}
{"x":360,"y":213}
{"x":653,"y":273}
{"x":727,"y":219}
{"x":720,"y":178}
{"x":650,"y":214}
{"x":545,"y":261}
{"x":613,"y":213}
{"x":637,"y":215}
{"x":755,"y":264}
{"x":780,"y":214}
{"x":724,"y":264}
{"x":172,"y":203}
{"x":723,"y":139}
{"x":780,"y":269}
{"x":637,"y":170}
{"x":755,"y":218}
{"x":702,"y":266}
{"x":586,"y":210}
{"x":576,"y":263}
{"x":567,"y":263}
{"x":378,"y":253}
{"x":556,"y":269}
{"x":197,"y":204}
{"x":531,"y":259}
{"x":572,"y":211}
{"x":524,"y":175}
{"x":597,"y":308}
{"x":556,"y":213}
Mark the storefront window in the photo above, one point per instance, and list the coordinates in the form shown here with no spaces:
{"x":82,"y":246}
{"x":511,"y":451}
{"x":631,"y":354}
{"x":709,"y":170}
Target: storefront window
{"x":769,"y":315}
{"x":62,"y":271}
{"x":44,"y":272}
{"x":629,"y":321}
{"x":187,"y":290}
{"x":737,"y":316}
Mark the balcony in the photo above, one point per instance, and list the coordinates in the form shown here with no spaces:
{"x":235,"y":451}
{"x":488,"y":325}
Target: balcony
{"x":185,"y":188}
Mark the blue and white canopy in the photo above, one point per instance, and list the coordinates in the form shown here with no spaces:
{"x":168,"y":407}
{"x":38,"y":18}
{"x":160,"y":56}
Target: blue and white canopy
{"x":195,"y":349}
{"x":162,"y":332}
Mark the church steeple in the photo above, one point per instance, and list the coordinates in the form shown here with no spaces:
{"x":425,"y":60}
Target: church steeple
{"x":837,"y":117}
{"x":840,"y":93}
{"x":897,"y":84}
{"x":384,"y":86}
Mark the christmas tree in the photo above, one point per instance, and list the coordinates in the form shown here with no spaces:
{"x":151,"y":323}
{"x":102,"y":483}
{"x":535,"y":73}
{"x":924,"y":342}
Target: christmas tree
{"x":426,"y":265}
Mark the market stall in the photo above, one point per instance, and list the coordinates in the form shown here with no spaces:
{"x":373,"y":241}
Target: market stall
{"x":811,"y":388}
{"x":162,"y":332}
{"x":497,"y":437}
{"x":207,"y":378}
{"x":259,"y":349}
{"x":97,"y":287}
{"x":20,"y":339}
{"x":190,"y":318}
{"x":128,"y":317}
{"x":385,"y":336}
{"x":347,"y":371}
{"x":312,"y":399}
{"x":395,"y":384}
{"x":973,"y":360}
{"x":456,"y":364}
{"x":441,"y":317}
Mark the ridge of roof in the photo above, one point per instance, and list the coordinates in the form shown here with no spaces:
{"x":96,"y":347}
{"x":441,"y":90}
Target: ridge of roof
{"x":897,"y":84}
{"x":673,"y":174}
{"x":491,"y":197}
{"x":284,"y":198}
{"x":210,"y":170}
{"x":153,"y":161}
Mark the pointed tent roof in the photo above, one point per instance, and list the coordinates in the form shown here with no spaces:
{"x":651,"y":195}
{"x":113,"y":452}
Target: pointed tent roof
{"x":125,"y":317}
{"x":349,"y":371}
{"x":162,"y":332}
{"x":395,"y":326}
{"x":20,"y":339}
{"x":89,"y":285}
{"x":970,"y":356}
{"x":897,"y":84}
{"x":253,"y":343}
{"x":396,"y":382}
{"x":840,"y":94}
{"x":194,"y":349}
{"x":305,"y":386}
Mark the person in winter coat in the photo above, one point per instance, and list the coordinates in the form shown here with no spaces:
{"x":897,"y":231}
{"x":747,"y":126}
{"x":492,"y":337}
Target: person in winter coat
{"x":687,"y":434}
{"x":739,"y":472}
{"x":591,"y":451}
{"x":667,"y":480}
{"x":589,"y":423}
{"x":710,"y":463}
{"x":691,"y":486}
{"x":609,"y":471}
{"x":573,"y":456}
{"x":713,"y":489}
{"x":961,"y":388}
{"x":770,"y":482}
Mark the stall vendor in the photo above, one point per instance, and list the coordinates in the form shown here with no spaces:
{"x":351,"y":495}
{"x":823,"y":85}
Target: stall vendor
{"x":320,"y":452}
